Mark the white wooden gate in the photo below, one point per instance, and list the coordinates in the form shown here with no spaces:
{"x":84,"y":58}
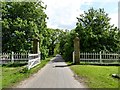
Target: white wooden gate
{"x":33,"y":60}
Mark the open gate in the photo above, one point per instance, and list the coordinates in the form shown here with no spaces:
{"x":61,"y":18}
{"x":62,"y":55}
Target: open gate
{"x":33,"y":60}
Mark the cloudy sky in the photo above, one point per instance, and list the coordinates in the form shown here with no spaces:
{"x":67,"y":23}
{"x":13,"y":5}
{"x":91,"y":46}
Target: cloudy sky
{"x":62,"y":13}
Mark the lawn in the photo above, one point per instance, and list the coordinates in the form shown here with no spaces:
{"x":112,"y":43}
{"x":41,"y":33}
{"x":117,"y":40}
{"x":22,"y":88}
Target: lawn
{"x":0,"y":77}
{"x":97,"y":76}
{"x":11,"y":75}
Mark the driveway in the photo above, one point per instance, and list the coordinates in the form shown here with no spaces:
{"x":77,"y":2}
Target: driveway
{"x":56,"y":74}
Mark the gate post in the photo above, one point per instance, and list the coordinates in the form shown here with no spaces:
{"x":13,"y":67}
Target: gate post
{"x":36,"y":46}
{"x":12,"y":57}
{"x":36,"y":49}
{"x":77,"y":50}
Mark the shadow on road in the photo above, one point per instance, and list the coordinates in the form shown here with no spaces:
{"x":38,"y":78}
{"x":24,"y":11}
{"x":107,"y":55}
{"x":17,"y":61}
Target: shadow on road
{"x":58,"y":58}
{"x":64,"y":65}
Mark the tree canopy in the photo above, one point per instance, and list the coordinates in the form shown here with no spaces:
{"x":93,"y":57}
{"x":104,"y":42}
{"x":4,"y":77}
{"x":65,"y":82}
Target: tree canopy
{"x":24,"y":21}
{"x":95,"y":33}
{"x":21,"y":22}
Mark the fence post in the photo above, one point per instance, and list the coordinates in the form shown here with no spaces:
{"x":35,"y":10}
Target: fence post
{"x":12,"y":58}
{"x":118,"y":58}
{"x":74,"y":57}
{"x":100,"y":57}
{"x":28,"y":61}
{"x":39,"y":54}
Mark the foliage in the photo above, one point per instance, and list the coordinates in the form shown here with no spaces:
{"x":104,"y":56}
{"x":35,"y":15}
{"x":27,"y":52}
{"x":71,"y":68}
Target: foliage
{"x":66,"y":44}
{"x":57,"y":49}
{"x":24,"y":21}
{"x":54,"y":40}
{"x":50,"y":42}
{"x":96,"y":33}
{"x":21,"y":23}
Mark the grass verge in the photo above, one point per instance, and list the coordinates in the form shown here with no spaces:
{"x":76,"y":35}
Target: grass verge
{"x":0,"y":77}
{"x":14,"y":74}
{"x":97,"y":76}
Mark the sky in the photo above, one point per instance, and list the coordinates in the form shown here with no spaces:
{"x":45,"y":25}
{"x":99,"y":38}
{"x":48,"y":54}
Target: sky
{"x":62,"y":13}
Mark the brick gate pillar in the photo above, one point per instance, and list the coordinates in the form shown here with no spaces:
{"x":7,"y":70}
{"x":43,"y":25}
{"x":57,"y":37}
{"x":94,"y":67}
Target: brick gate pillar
{"x":36,"y":46}
{"x":77,"y":50}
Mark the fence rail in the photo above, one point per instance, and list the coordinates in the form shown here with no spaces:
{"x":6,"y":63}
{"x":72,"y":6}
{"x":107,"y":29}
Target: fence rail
{"x":31,"y":59}
{"x":13,"y":57}
{"x":100,"y":58}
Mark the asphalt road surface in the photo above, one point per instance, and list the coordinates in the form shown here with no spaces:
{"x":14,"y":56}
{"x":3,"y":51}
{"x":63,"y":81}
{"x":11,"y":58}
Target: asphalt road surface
{"x":56,"y":74}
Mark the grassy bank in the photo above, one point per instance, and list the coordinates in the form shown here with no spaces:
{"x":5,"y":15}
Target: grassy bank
{"x":97,"y":76}
{"x":11,"y":75}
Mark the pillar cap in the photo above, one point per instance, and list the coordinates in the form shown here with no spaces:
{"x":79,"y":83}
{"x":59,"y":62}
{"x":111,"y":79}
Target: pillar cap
{"x":76,"y":39}
{"x":36,"y":39}
{"x":76,"y":34}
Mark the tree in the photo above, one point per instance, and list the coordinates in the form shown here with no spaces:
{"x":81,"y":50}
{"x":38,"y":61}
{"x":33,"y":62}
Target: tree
{"x":95,"y":31}
{"x":66,"y":44}
{"x":53,"y":39}
{"x":21,"y":23}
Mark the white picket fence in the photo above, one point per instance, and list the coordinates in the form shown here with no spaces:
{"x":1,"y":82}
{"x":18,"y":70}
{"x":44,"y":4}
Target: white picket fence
{"x":100,"y":58}
{"x":31,"y":59}
{"x":13,"y":57}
